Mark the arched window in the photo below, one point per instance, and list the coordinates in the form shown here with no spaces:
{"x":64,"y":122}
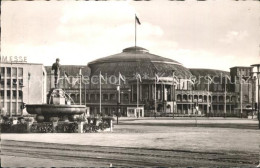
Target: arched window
{"x":112,"y":97}
{"x":214,"y":98}
{"x":205,"y":98}
{"x":185,"y":97}
{"x":178,"y":97}
{"x":221,"y":98}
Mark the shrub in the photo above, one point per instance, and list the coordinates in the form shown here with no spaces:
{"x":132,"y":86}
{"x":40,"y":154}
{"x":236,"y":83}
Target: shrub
{"x":42,"y":127}
{"x":89,"y":127}
{"x":66,"y":127}
{"x":6,"y":127}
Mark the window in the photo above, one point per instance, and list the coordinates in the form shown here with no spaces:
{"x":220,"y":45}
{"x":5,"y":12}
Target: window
{"x":112,"y":97}
{"x":14,"y":72}
{"x":2,"y":82}
{"x":8,"y":72}
{"x":8,"y":94}
{"x":14,"y":82}
{"x":14,"y":94}
{"x":14,"y":108}
{"x":92,"y":97}
{"x":105,"y":97}
{"x":20,"y":72}
{"x":126,"y":96}
{"x":2,"y":71}
{"x":8,"y":82}
{"x":20,"y":94}
{"x":2,"y":94}
{"x":20,"y":82}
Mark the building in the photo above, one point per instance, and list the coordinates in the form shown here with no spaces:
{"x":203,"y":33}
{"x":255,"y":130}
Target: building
{"x":243,"y":85}
{"x":173,"y":92}
{"x":21,"y":82}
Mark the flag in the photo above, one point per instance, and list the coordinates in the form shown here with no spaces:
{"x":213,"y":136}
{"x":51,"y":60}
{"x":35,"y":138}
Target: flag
{"x":157,"y":78}
{"x":138,"y":76}
{"x":209,"y":79}
{"x":80,"y":72}
{"x":29,"y":75}
{"x":137,"y":20}
{"x":101,"y":77}
{"x":121,"y":77}
{"x":66,"y":77}
{"x":192,"y":81}
{"x":74,"y":81}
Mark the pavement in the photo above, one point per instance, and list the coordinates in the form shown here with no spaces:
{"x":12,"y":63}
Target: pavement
{"x":226,"y":145}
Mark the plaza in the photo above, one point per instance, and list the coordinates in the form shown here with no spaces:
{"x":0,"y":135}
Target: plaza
{"x":142,"y":142}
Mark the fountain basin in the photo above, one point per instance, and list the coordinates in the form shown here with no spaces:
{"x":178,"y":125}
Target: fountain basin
{"x":52,"y":109}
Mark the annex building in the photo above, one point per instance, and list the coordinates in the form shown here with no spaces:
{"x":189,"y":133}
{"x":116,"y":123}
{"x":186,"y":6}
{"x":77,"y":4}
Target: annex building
{"x":21,"y":82}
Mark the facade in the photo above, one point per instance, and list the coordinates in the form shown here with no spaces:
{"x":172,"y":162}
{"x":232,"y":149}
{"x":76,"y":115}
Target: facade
{"x":21,"y":82}
{"x":215,"y":93}
{"x":243,"y":85}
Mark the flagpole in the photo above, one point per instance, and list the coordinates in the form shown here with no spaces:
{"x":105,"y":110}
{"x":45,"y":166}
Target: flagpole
{"x":155,"y":96}
{"x":135,"y":32}
{"x":100,"y":92}
{"x":225,"y":101}
{"x":119,"y":98}
{"x":241,"y":96}
{"x":208,"y":99}
{"x":137,"y":85}
{"x":80,"y":98}
{"x":64,"y":81}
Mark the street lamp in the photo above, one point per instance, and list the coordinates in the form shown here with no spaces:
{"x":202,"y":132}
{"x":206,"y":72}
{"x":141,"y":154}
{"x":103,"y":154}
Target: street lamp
{"x":118,"y":102}
{"x":23,"y":104}
{"x":129,"y":93}
{"x":173,"y":82}
{"x":29,"y":77}
{"x":256,"y":71}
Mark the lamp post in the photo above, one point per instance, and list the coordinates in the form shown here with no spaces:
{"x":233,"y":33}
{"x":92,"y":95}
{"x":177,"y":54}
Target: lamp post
{"x":129,"y":91}
{"x":22,"y":105}
{"x":256,"y":71}
{"x":118,"y":102}
{"x":173,"y":94}
{"x":80,"y":82}
{"x":29,"y":77}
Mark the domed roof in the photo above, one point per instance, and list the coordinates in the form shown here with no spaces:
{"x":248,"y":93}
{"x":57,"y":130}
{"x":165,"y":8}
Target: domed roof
{"x":137,"y":60}
{"x":134,"y":54}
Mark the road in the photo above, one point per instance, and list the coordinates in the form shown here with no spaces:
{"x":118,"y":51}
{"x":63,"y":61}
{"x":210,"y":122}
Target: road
{"x":35,"y":154}
{"x":141,"y":142}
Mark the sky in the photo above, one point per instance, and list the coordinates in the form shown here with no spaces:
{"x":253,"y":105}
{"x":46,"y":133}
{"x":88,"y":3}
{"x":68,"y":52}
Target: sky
{"x":211,"y":34}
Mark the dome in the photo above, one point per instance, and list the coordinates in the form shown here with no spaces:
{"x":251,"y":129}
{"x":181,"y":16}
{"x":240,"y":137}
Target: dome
{"x":134,"y":60}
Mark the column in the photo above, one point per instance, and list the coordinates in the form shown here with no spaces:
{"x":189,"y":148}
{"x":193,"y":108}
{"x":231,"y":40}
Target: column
{"x":132,"y":92}
{"x":149,"y":92}
{"x":172,"y":93}
{"x":140,"y":91}
{"x":17,"y":92}
{"x":11,"y":93}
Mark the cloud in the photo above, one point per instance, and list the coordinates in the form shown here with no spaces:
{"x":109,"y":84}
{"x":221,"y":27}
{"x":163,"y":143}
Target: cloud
{"x":79,"y":32}
{"x":234,"y":36}
{"x":200,"y":35}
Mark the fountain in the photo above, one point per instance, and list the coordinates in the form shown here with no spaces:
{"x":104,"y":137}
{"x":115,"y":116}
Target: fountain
{"x":58,"y":105}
